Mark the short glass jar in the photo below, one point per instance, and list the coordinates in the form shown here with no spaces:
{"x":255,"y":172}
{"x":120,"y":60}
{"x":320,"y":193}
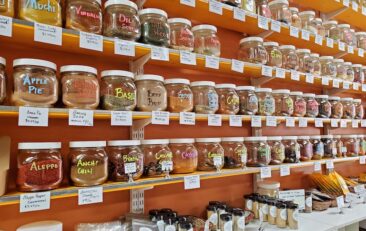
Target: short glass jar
{"x":235,"y":152}
{"x":88,"y":163}
{"x":205,"y":98}
{"x":361,"y":39}
{"x":262,"y":8}
{"x":349,"y":110}
{"x":158,"y":158}
{"x":318,"y":147}
{"x":154,"y":27}
{"x":330,"y":149}
{"x":341,"y":70}
{"x":349,"y":70}
{"x":210,"y":154}
{"x":292,"y":149}
{"x":7,"y":8}
{"x":337,"y":107}
{"x":268,"y":189}
{"x":248,"y":100}
{"x":181,"y":35}
{"x":277,"y":150}
{"x":351,"y":144}
{"x":305,"y":62}
{"x":252,"y":50}
{"x":49,"y":12}
{"x":84,"y":16}
{"x":2,"y":80}
{"x":345,"y":34}
{"x":248,"y":5}
{"x":40,"y":166}
{"x":299,"y":103}
{"x":284,"y":105}
{"x":360,"y":112}
{"x":35,"y":83}
{"x":228,"y":99}
{"x":259,"y":152}
{"x":206,"y":41}
{"x":280,"y":11}
{"x":151,"y":93}
{"x":341,"y":149}
{"x":118,"y":90}
{"x":364,"y":71}
{"x":274,"y":54}
{"x":331,"y":29}
{"x":328,"y":68}
{"x":295,"y":18}
{"x":318,"y":24}
{"x":325,"y":108}
{"x":180,"y":96}
{"x":358,"y":73}
{"x":306,"y":148}
{"x":312,"y":106}
{"x":185,"y":155}
{"x":266,"y":102}
{"x":306,"y":18}
{"x":362,"y":142}
{"x":289,"y":57}
{"x":316,"y":63}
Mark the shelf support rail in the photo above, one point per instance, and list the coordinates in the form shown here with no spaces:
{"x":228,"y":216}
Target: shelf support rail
{"x":257,"y":82}
{"x":137,"y":66}
{"x":137,"y":129}
{"x":340,"y":55}
{"x":265,"y":34}
{"x":330,"y":15}
{"x":137,"y":200}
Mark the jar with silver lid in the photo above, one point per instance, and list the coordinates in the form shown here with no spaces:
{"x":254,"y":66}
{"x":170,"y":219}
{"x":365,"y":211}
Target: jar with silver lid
{"x":248,"y":100}
{"x":289,"y":57}
{"x":205,"y":98}
{"x":266,"y":101}
{"x":359,"y":109}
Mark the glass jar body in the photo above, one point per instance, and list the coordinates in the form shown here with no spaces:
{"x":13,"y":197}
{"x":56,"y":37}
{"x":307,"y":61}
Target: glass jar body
{"x":312,"y":107}
{"x":228,"y":101}
{"x":2,"y":84}
{"x":277,"y":152}
{"x":266,"y":104}
{"x":284,"y":105}
{"x":350,"y":73}
{"x":248,"y":102}
{"x":210,"y":156}
{"x":262,"y":8}
{"x":295,"y":19}
{"x":281,"y":12}
{"x":306,"y":149}
{"x":151,"y":95}
{"x":341,"y":70}
{"x":358,"y":74}
{"x":337,"y":109}
{"x":349,"y":110}
{"x":274,"y":56}
{"x":181,"y":37}
{"x":84,"y":15}
{"x":318,"y":149}
{"x":292,"y":151}
{"x":205,"y":99}
{"x":306,"y":65}
{"x":345,"y":35}
{"x":289,"y":59}
{"x":42,"y":12}
{"x":253,"y":52}
{"x":154,"y":156}
{"x":155,"y":30}
{"x":360,"y":112}
{"x":299,"y":105}
{"x":325,"y":108}
{"x":361,"y":41}
{"x":306,"y":23}
{"x":316,"y":64}
{"x":249,"y":5}
{"x":180,"y":97}
{"x":328,"y":68}
{"x":352,"y":146}
{"x":235,"y":154}
{"x":185,"y":158}
{"x":7,"y":8}
{"x":330,"y":149}
{"x":259,"y":154}
{"x":331,"y":31}
{"x":207,"y":42}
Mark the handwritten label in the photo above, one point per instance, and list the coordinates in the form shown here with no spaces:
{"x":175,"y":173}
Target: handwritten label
{"x":81,"y":117}
{"x":334,"y":123}
{"x":214,"y":120}
{"x":191,"y":3}
{"x":303,"y":122}
{"x":34,"y":201}
{"x":192,"y":182}
{"x":121,"y":118}
{"x":33,"y":117}
{"x":340,"y":202}
{"x":363,"y":87}
{"x":256,"y":121}
{"x":346,"y":85}
{"x":263,"y":22}
{"x":235,"y":121}
{"x":90,"y":195}
{"x":317,"y":166}
{"x":355,"y":123}
{"x":188,"y":58}
{"x":284,"y":170}
{"x":325,"y":81}
{"x":294,"y":31}
{"x":350,"y":49}
{"x":167,"y":165}
{"x":237,"y":66}
{"x":187,"y":118}
{"x":91,"y":41}
{"x":295,"y":75}
{"x":354,"y":6}
{"x":305,"y":35}
{"x":276,"y":26}
{"x":47,"y":34}
{"x":212,"y":62}
{"x":160,"y":117}
{"x":363,"y":123}
{"x":343,"y":123}
{"x":6,"y":26}
{"x":271,"y":121}
{"x":362,"y":159}
{"x":239,"y":14}
{"x":215,"y":7}
{"x":280,"y":73}
{"x":346,"y":3}
{"x":318,"y":123}
{"x":297,"y":196}
{"x":290,"y":122}
{"x":159,"y":53}
{"x":329,"y":164}
{"x":341,"y":46}
{"x":319,"y":40}
{"x":267,"y":71}
{"x":130,"y":168}
{"x":363,"y":10}
{"x":330,"y":42}
{"x":266,"y":172}
{"x":361,"y":52}
{"x":356,"y":86}
{"x":123,"y":47}
{"x":336,"y":83}
{"x":309,"y":78}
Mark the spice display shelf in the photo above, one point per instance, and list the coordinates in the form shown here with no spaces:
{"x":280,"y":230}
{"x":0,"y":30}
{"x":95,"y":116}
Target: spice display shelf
{"x":13,"y":198}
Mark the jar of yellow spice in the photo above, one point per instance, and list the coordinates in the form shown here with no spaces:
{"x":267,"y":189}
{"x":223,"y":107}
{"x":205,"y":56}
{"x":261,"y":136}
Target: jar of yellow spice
{"x":41,"y":11}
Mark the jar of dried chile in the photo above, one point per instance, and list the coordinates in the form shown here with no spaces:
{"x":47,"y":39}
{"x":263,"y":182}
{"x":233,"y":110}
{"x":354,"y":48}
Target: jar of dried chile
{"x":181,"y":35}
{"x":84,"y":15}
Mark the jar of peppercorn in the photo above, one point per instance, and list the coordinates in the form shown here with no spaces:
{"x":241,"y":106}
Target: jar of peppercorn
{"x":325,"y":108}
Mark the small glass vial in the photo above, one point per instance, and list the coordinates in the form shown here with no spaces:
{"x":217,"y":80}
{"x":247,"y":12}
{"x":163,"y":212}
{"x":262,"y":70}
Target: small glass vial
{"x":316,"y":63}
{"x":292,"y":149}
{"x":228,"y":99}
{"x":306,"y":148}
{"x":252,"y":50}
{"x":318,"y":24}
{"x":345,"y":34}
{"x":330,"y":149}
{"x":151,"y":93}
{"x":295,"y":18}
{"x":235,"y":152}
{"x":274,"y":54}
{"x":337,"y":107}
{"x":181,"y":35}
{"x":349,"y":110}
{"x":185,"y":155}
{"x":331,"y":29}
{"x":341,"y":70}
{"x":360,"y":112}
{"x":361,"y":39}
{"x":205,"y":98}
{"x":277,"y":150}
{"x":158,"y":158}
{"x":280,"y":11}
{"x":210,"y":154}
{"x":206,"y":41}
{"x":312,"y":106}
{"x":358,"y":73}
{"x":248,"y":100}
{"x":180,"y":95}
{"x":259,"y":153}
{"x":306,"y":18}
{"x":2,"y":79}
{"x":299,"y":103}
{"x":266,"y":101}
{"x":349,"y":70}
{"x":284,"y":103}
{"x":293,"y":216}
{"x":154,"y":27}
{"x":325,"y":108}
{"x":84,"y":16}
{"x":262,"y":8}
{"x":318,"y":147}
{"x":328,"y":68}
{"x":281,"y":215}
{"x":308,"y":202}
{"x":351,"y":144}
{"x":289,"y":57}
{"x":305,"y":62}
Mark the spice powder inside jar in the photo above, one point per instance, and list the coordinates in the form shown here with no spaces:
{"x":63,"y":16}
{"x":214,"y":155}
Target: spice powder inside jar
{"x":180,"y":96}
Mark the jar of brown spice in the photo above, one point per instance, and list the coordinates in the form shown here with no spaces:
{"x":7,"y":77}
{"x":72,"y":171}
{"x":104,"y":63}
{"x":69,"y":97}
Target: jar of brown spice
{"x":151,"y":93}
{"x":228,"y":99}
{"x":180,"y":96}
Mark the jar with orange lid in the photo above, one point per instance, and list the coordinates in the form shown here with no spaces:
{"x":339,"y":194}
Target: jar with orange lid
{"x":7,"y":8}
{"x":205,"y":97}
{"x":295,"y":18}
{"x":185,"y":155}
{"x":289,"y":57}
{"x":206,"y":41}
{"x":210,"y":154}
{"x":360,"y":111}
{"x":235,"y":152}
{"x":306,"y":18}
{"x":228,"y":99}
{"x":181,"y":35}
{"x":252,"y":50}
{"x":280,"y":11}
{"x":305,"y":63}
{"x":49,"y":12}
{"x":151,"y":93}
{"x":180,"y":95}
{"x":331,"y":29}
{"x":2,"y":80}
{"x":248,"y":100}
{"x":274,"y":54}
{"x":84,"y":15}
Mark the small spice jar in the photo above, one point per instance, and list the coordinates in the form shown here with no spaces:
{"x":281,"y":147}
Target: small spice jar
{"x":292,"y":149}
{"x":306,"y":148}
{"x":118,"y":90}
{"x":206,"y":41}
{"x":248,"y":5}
{"x":154,"y":27}
{"x":354,"y":38}
{"x":360,"y":112}
{"x":84,"y":16}
{"x":151,"y":93}
{"x":235,"y":152}
{"x":361,"y":39}
{"x":341,"y":70}
{"x":121,"y":20}
{"x":330,"y":149}
{"x":39,"y":166}
{"x":228,"y":99}
{"x":316,"y":63}
{"x":266,"y":101}
{"x":349,"y":70}
{"x":248,"y":100}
{"x":2,"y":80}
{"x":358,"y":73}
{"x":262,"y":8}
{"x":351,"y":144}
{"x":181,"y":35}
{"x":158,"y":157}
{"x":289,"y":57}
{"x":345,"y":34}
{"x":277,"y":150}
{"x":259,"y":152}
{"x":312,"y":106}
{"x":341,"y":149}
{"x":212,"y":215}
{"x":126,"y":160}
{"x":331,"y":29}
{"x":349,"y":110}
{"x":248,"y":201}
{"x":305,"y":62}
{"x":306,"y":18}
{"x":281,"y":216}
{"x":80,"y":87}
{"x":205,"y":98}
{"x":255,"y":209}
{"x":268,"y":188}
{"x":238,"y":220}
{"x":185,"y":155}
{"x":263,"y":209}
{"x":284,"y":103}
{"x":293,"y":216}
{"x":7,"y":8}
{"x":362,"y":142}
{"x":274,"y":54}
{"x":272,"y":212}
{"x":252,"y":50}
{"x":299,"y":103}
{"x":49,"y":12}
{"x":318,"y":24}
{"x":180,"y":96}
{"x":337,"y":107}
{"x":295,"y":18}
{"x":308,"y":202}
{"x":325,"y":108}
{"x":88,"y":163}
{"x":318,"y":147}
{"x":226,"y":221}
{"x":210,"y":154}
{"x":280,"y":11}
{"x":328,"y":68}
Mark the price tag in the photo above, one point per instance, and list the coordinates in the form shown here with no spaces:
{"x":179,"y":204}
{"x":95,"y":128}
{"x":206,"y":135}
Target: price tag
{"x":47,"y":34}
{"x":271,"y":121}
{"x":336,"y":83}
{"x":33,"y":117}
{"x":236,"y":121}
{"x":160,"y":117}
{"x":355,"y":123}
{"x":290,"y":122}
{"x":217,"y":160}
{"x":187,"y":118}
{"x":167,"y":165}
{"x":318,"y":123}
{"x":266,"y":172}
{"x":121,"y":118}
{"x":329,"y":164}
{"x":363,"y":123}
{"x":191,"y":3}
{"x":188,"y":58}
{"x":280,"y":73}
{"x":354,"y":6}
{"x":334,"y":123}
{"x":294,"y":31}
{"x":34,"y":201}
{"x":361,"y":52}
{"x":325,"y":81}
{"x":317,"y":166}
{"x":130,"y":168}
{"x":81,"y":117}
{"x":343,"y":123}
{"x":340,"y":202}
{"x":192,"y":182}
{"x":123,"y":47}
{"x":237,"y":66}
{"x":263,"y":22}
{"x":267,"y":71}
{"x":160,"y":53}
{"x":319,"y":39}
{"x":344,"y":149}
{"x":295,"y":75}
{"x":303,"y":122}
{"x":256,"y":121}
{"x":90,"y":195}
{"x":346,"y":3}
{"x":284,"y":170}
{"x":356,"y":86}
{"x":276,"y":26}
{"x":330,"y":42}
{"x":362,"y":159}
{"x":350,"y":49}
{"x":212,"y":62}
{"x":91,"y":41}
{"x":6,"y":26}
{"x":363,"y":10}
{"x":214,"y":120}
{"x":346,"y":85}
{"x":309,"y":78}
{"x":341,"y":46}
{"x":305,"y":35}
{"x":215,"y":7}
{"x":239,"y":14}
{"x":363,"y":87}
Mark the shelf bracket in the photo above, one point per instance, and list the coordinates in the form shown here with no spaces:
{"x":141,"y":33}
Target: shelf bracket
{"x":334,"y":91}
{"x":257,"y":131}
{"x":137,"y":200}
{"x":333,"y":14}
{"x":140,"y":3}
{"x":340,"y":55}
{"x":137,"y":129}
{"x":265,"y":34}
{"x":137,"y":66}
{"x":260,"y":81}
{"x":327,"y":129}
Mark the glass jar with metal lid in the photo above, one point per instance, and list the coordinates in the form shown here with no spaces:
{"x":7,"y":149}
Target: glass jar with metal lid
{"x":299,"y":103}
{"x":316,"y":63}
{"x":318,"y":24}
{"x":235,"y":152}
{"x":325,"y":108}
{"x":277,"y":149}
{"x":306,"y":18}
{"x":351,"y":144}
{"x":185,"y":155}
{"x":337,"y":107}
{"x":295,"y":18}
{"x":205,"y":98}
{"x":330,"y":149}
{"x":328,"y":68}
{"x":349,"y":110}
{"x":266,"y":102}
{"x":361,"y":39}
{"x":358,"y":73}
{"x":305,"y":62}
{"x":345,"y":34}
{"x":281,"y":216}
{"x":341,"y":149}
{"x":306,"y":148}
{"x":284,"y":103}
{"x":151,"y":93}
{"x":269,"y":189}
{"x":210,"y":154}
{"x":349,"y":70}
{"x":248,"y":100}
{"x":364,"y":71}
{"x":158,"y":158}
{"x":341,"y":70}
{"x":84,"y":15}
{"x":331,"y":29}
{"x":259,"y":152}
{"x":252,"y":50}
{"x":2,"y":80}
{"x":293,"y":216}
{"x":274,"y":54}
{"x":180,"y":95}
{"x":280,"y":11}
{"x":292,"y":149}
{"x":206,"y":41}
{"x":318,"y":147}
{"x":360,"y":112}
{"x":262,"y":8}
{"x":154,"y":27}
{"x":312,"y":106}
{"x":228,"y":99}
{"x":181,"y":35}
{"x":48,"y":12}
{"x":289,"y":57}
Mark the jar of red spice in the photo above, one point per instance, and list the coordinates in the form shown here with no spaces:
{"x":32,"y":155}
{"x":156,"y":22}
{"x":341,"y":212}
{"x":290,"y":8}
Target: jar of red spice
{"x":181,"y":35}
{"x":185,"y":156}
{"x":299,"y":103}
{"x":39,"y":166}
{"x":306,"y":148}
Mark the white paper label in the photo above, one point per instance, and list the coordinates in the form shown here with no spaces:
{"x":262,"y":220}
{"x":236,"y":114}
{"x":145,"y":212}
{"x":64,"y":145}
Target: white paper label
{"x":341,"y":46}
{"x":361,"y":52}
{"x":90,"y":195}
{"x":330,"y":42}
{"x":6,"y":26}
{"x":309,"y":202}
{"x":363,"y":10}
{"x":362,"y":159}
{"x":236,"y":121}
{"x":319,"y":39}
{"x":34,"y":201}
{"x":33,"y":116}
{"x":212,"y":62}
{"x":329,"y":164}
{"x":356,"y":86}
{"x":363,"y":87}
{"x":214,"y":120}
{"x":123,"y":47}
{"x":344,"y":149}
{"x":283,"y":214}
{"x":290,"y":122}
{"x":241,"y":223}
{"x":284,"y":170}
{"x":334,"y":123}
{"x":215,"y":7}
{"x":160,"y":117}
{"x":354,"y":6}
{"x":325,"y":81}
{"x":159,"y":53}
{"x":276,"y":26}
{"x":305,"y":35}
{"x":295,"y":75}
{"x":267,"y":71}
{"x":346,"y":85}
{"x":167,"y":165}
{"x":318,"y":123}
{"x":47,"y":34}
{"x":263,"y":22}
{"x":280,"y":73}
{"x":359,"y":188}
{"x":239,"y":14}
{"x":351,"y":49}
{"x":191,"y":3}
{"x":363,"y":123}
{"x":294,"y":31}
{"x":256,"y":121}
{"x":192,"y":182}
{"x":121,"y":118}
{"x":336,"y":83}
{"x":340,"y":202}
{"x":217,"y":160}
{"x":237,"y":66}
{"x":187,"y":118}
{"x":81,"y":117}
{"x":309,"y":78}
{"x":271,"y":121}
{"x":249,"y":204}
{"x":355,"y":123}
{"x":346,"y":3}
{"x":266,"y":172}
{"x":303,"y":122}
{"x":343,"y":123}
{"x":188,"y":58}
{"x":297,"y":196}
{"x":91,"y":41}
{"x":130,"y":168}
{"x":317,"y":166}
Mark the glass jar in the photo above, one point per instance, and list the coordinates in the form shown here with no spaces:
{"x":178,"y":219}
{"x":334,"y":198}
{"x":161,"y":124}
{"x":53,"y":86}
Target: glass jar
{"x":306,"y":148}
{"x":274,"y":54}
{"x":126,"y":160}
{"x":272,"y":212}
{"x":364,"y":71}
{"x":262,"y":8}
{"x":345,"y":34}
{"x":2,"y":80}
{"x":280,"y":11}
{"x":360,"y":112}
{"x":349,"y":70}
{"x":318,"y":24}
{"x":252,"y":50}
{"x":185,"y":155}
{"x":284,"y":103}
{"x":362,"y":142}
{"x":235,"y":152}
{"x":205,"y":98}
{"x":361,"y":39}
{"x":277,"y":150}
{"x":330,"y":149}
{"x":305,"y":62}
{"x":228,"y":99}
{"x":268,"y":188}
{"x":210,"y":154}
{"x":318,"y":147}
{"x":226,"y":221}
{"x":316,"y":63}
{"x":306,"y":18}
{"x":40,"y":166}
{"x":151,"y":93}
{"x":341,"y":70}
{"x":158,"y":157}
{"x":40,"y":11}
{"x":292,"y":149}
{"x":248,"y":5}
{"x":238,"y":220}
{"x":281,"y":216}
{"x":236,"y":3}
{"x":351,"y":144}
{"x":341,"y":149}
{"x":248,"y":100}
{"x":118,"y":91}
{"x":84,"y":15}
{"x":312,"y":106}
{"x":80,"y":87}
{"x":293,"y":216}
{"x":35,"y":83}
{"x":331,"y":29}
{"x":328,"y":68}
{"x":88,"y":163}
{"x":358,"y":73}
{"x":181,"y":35}
{"x":337,"y":107}
{"x":7,"y":8}
{"x":354,"y":38}
{"x":206,"y":41}
{"x":295,"y":18}
{"x":120,"y":20}
{"x":180,"y":96}
{"x":289,"y":57}
{"x":325,"y":108}
{"x":299,"y":103}
{"x":349,"y":110}
{"x":154,"y":27}
{"x":259,"y":152}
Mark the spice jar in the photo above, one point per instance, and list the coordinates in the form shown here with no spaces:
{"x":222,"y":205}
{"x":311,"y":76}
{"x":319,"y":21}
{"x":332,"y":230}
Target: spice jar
{"x":262,"y":8}
{"x":354,"y":38}
{"x":293,"y":216}
{"x":299,"y":103}
{"x":185,"y":156}
{"x":306,"y":18}
{"x":318,"y":24}
{"x":280,"y":11}
{"x":181,"y":35}
{"x":88,"y":163}
{"x":259,"y":152}
{"x":180,"y":96}
{"x":292,"y":149}
{"x":274,"y":54}
{"x":331,"y":29}
{"x":358,"y":73}
{"x":361,"y":39}
{"x":228,"y":99}
{"x":349,"y":110}
{"x":35,"y":83}
{"x":272,"y":209}
{"x":118,"y":91}
{"x":305,"y":62}
{"x":268,"y":188}
{"x":185,"y":226}
{"x":256,"y":205}
{"x":312,"y":106}
{"x":306,"y":148}
{"x":316,"y":63}
{"x":126,"y":160}
{"x":281,"y":216}
{"x":341,"y":70}
{"x":295,"y":18}
{"x":252,"y":50}
{"x":349,"y":70}
{"x":2,"y":80}
{"x":284,"y":103}
{"x":359,"y":109}
{"x":362,"y":143}
{"x":154,"y":27}
{"x":235,"y":152}
{"x":345,"y":34}
{"x":351,"y":144}
{"x":330,"y":150}
{"x":238,"y":220}
{"x":277,"y":150}
{"x":263,"y":209}
{"x":210,"y":154}
{"x":364,"y":71}
{"x":266,"y":101}
{"x":158,"y":157}
{"x":248,"y":100}
{"x":248,"y":202}
{"x":325,"y":108}
{"x":39,"y":166}
{"x":84,"y":15}
{"x":341,"y":149}
{"x":248,"y":5}
{"x":318,"y":147}
{"x":121,"y":20}
{"x":308,"y":202}
{"x":151,"y":93}
{"x":7,"y":8}
{"x":226,"y":221}
{"x":289,"y":57}
{"x":337,"y":107}
{"x":328,"y":68}
{"x":212,"y":216}
{"x":205,"y":98}
{"x":42,"y":12}
{"x":206,"y":41}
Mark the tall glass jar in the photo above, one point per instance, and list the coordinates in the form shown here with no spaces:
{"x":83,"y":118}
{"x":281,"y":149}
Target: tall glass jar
{"x":362,"y":142}
{"x":360,"y":112}
{"x":228,"y":99}
{"x":235,"y":152}
{"x":349,"y":70}
{"x":361,"y":39}
{"x":305,"y":62}
{"x":210,"y":154}
{"x":266,"y":102}
{"x":7,"y":8}
{"x":49,"y":12}
{"x":318,"y":24}
{"x":2,"y":80}
{"x":351,"y":144}
{"x":341,"y":149}
{"x":252,"y":50}
{"x":295,"y":18}
{"x":205,"y":98}
{"x":358,"y":73}
{"x":158,"y":158}
{"x":306,"y":148}
{"x":364,"y":71}
{"x":331,"y":29}
{"x":299,"y":103}
{"x":318,"y":147}
{"x":349,"y":110}
{"x":262,"y":8}
{"x":206,"y":41}
{"x":277,"y":150}
{"x":154,"y":27}
{"x":330,"y":149}
{"x":337,"y":107}
{"x":84,"y":15}
{"x":280,"y":11}
{"x":345,"y":34}
{"x":328,"y":68}
{"x":325,"y":108}
{"x":181,"y":35}
{"x":312,"y":106}
{"x":354,"y":38}
{"x":306,"y":18}
{"x":180,"y":95}
{"x":316,"y":63}
{"x":151,"y":93}
{"x":292,"y":149}
{"x":274,"y":54}
{"x":248,"y":100}
{"x":341,"y":70}
{"x":289,"y":57}
{"x":284,"y":103}
{"x":185,"y":155}
{"x":259,"y":152}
